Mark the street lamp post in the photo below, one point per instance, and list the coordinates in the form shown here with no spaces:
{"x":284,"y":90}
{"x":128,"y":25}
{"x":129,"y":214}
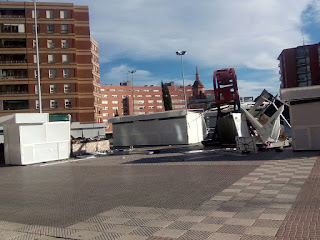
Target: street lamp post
{"x":37,"y":53}
{"x":181,"y":53}
{"x":132,"y":72}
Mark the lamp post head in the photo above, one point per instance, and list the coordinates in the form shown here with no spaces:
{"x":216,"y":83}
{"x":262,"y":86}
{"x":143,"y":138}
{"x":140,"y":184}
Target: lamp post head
{"x":133,"y":71}
{"x":179,"y":53}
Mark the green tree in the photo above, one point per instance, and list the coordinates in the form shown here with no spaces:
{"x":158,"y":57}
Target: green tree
{"x":166,"y":97}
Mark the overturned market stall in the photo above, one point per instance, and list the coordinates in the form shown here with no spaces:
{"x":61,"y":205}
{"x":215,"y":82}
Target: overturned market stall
{"x":170,"y":127}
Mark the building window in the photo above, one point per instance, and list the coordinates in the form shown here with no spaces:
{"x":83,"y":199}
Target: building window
{"x":64,"y":28}
{"x":151,"y":107}
{"x":114,"y":102}
{"x":65,"y":58}
{"x":37,"y":14}
{"x":115,"y":108}
{"x":49,"y":13}
{"x":156,"y":90}
{"x":35,"y":73}
{"x":139,"y":101}
{"x":157,"y":95}
{"x":52,"y":73}
{"x":37,"y":104}
{"x":63,"y":14}
{"x":53,"y":103}
{"x":64,"y":43}
{"x":34,"y":58}
{"x":34,"y":29}
{"x":53,"y":88}
{"x":112,"y":90}
{"x":159,"y":101}
{"x":67,"y":103}
{"x":67,"y":88}
{"x":51,"y":58}
{"x":50,"y":43}
{"x":36,"y":89}
{"x":159,"y":107}
{"x":105,"y":114}
{"x":150,"y":101}
{"x":124,"y":96}
{"x":114,"y":96}
{"x":105,"y":108}
{"x":66,"y":73}
{"x":50,"y":28}
{"x":148,"y":95}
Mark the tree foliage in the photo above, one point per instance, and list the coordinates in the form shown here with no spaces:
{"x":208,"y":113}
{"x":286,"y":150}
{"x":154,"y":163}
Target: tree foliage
{"x":166,"y":97}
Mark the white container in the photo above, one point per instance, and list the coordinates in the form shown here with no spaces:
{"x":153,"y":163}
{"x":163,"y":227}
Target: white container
{"x":165,"y":128}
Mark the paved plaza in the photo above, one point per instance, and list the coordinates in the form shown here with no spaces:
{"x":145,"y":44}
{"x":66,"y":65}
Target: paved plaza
{"x":177,"y":193}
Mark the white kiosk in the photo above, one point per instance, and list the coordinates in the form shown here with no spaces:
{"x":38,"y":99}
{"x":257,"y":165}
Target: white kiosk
{"x":30,"y":138}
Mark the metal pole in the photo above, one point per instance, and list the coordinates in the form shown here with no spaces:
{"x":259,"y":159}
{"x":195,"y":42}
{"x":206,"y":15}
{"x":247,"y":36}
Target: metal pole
{"x":132,"y":93}
{"x":37,"y":52}
{"x":184,"y":89}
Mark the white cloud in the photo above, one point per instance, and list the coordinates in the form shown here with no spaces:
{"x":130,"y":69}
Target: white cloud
{"x":222,"y":33}
{"x":120,"y":73}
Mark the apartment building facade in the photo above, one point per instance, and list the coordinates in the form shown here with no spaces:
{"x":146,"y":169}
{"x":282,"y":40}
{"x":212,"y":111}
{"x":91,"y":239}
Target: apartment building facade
{"x":300,"y":66}
{"x":129,"y":100}
{"x":65,"y":54}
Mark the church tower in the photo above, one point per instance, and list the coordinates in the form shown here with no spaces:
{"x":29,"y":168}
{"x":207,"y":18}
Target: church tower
{"x":198,"y":87}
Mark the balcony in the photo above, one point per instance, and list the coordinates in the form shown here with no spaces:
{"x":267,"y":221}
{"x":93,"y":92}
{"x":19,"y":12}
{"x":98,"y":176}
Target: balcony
{"x":13,"y":89}
{"x":15,"y":104}
{"x":12,"y":58}
{"x":12,"y":13}
{"x":13,"y":74}
{"x":13,"y":43}
{"x":12,"y":28}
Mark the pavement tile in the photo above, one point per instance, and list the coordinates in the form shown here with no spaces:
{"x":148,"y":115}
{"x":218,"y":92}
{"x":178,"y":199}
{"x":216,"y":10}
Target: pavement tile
{"x":24,"y":236}
{"x":214,"y":220}
{"x":196,"y":235}
{"x":181,"y":225}
{"x":137,"y":222}
{"x":122,"y":229}
{"x":224,"y":236}
{"x":231,"y":190}
{"x":82,"y":225}
{"x":232,"y":229}
{"x":223,"y":214}
{"x":240,"y":221}
{"x":191,"y":218}
{"x":107,"y":236}
{"x":133,"y":237}
{"x":221,"y":198}
{"x":148,"y":216}
{"x":96,"y":219}
{"x":206,"y":227}
{"x":145,"y":231}
{"x":178,"y":211}
{"x":84,"y":235}
{"x":170,"y":233}
{"x":116,"y":220}
{"x":263,"y":231}
{"x":157,"y":223}
{"x":272,"y":216}
{"x":10,"y":225}
{"x":235,"y":202}
{"x":101,"y":227}
{"x":110,"y":214}
{"x":267,"y":223}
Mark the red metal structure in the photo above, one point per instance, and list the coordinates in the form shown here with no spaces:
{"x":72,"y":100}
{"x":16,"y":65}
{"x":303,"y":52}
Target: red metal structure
{"x":226,"y":88}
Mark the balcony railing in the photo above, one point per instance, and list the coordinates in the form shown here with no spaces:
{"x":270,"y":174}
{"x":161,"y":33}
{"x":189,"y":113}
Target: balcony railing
{"x":12,"y":16}
{"x":13,"y":61}
{"x":14,"y":77}
{"x":13,"y":92}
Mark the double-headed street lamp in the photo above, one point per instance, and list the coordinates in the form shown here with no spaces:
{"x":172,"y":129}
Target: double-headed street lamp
{"x":132,"y":72}
{"x":37,"y":54}
{"x":181,"y":53}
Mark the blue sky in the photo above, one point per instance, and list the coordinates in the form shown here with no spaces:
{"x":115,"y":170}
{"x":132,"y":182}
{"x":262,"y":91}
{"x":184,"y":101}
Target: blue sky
{"x":248,"y":35}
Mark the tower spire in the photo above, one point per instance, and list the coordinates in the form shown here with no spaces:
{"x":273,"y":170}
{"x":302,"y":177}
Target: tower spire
{"x":197,"y":74}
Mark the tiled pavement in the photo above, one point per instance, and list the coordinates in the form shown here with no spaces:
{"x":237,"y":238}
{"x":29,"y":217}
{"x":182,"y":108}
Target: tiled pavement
{"x":254,"y":207}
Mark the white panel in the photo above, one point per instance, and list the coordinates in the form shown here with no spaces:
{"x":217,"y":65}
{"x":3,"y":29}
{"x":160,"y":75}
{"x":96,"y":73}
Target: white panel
{"x":58,"y":131}
{"x":11,"y":144}
{"x":27,"y":155}
{"x":173,"y":131}
{"x":315,"y":138}
{"x":64,"y":150}
{"x":31,"y":117}
{"x":46,"y":152}
{"x":146,"y":133}
{"x":300,"y":139}
{"x":32,"y":134}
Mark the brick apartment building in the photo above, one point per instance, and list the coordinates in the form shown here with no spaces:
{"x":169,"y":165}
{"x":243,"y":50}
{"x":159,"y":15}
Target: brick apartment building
{"x":66,"y":54}
{"x":135,"y":100}
{"x":300,"y":66}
